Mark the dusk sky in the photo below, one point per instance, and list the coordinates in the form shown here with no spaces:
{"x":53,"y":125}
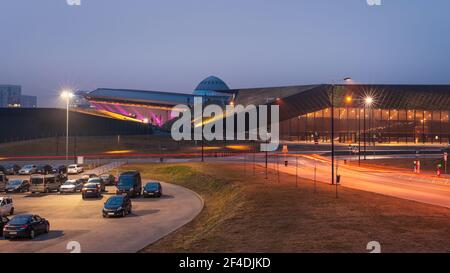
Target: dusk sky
{"x":171,"y":45}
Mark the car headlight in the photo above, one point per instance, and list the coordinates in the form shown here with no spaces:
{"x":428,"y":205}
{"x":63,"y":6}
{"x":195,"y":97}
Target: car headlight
{"x":119,"y":208}
{"x":131,"y":189}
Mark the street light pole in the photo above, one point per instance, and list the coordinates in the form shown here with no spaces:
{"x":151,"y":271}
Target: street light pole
{"x":359,"y":136}
{"x":332,"y":134}
{"x":368,"y":101}
{"x":364,"y":132}
{"x":347,"y":79}
{"x":67,"y":95}
{"x":67,"y":129}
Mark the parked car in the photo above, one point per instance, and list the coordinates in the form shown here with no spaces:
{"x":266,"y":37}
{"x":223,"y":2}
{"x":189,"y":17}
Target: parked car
{"x":44,"y":183}
{"x":152,"y":189}
{"x":75,"y":169}
{"x":91,"y":190}
{"x":130,"y":183}
{"x":3,"y":182}
{"x":84,"y":180}
{"x":89,"y":175}
{"x":6,"y":206}
{"x":28,"y":169}
{"x":3,"y":221}
{"x":99,"y":181}
{"x":44,"y":169}
{"x":118,"y":205}
{"x":2,"y":169}
{"x":11,"y":169}
{"x":17,"y":185}
{"x":71,"y":186}
{"x":25,"y":226}
{"x":61,"y":169}
{"x":109,"y":179}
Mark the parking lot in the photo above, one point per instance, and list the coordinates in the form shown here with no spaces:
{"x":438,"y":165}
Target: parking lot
{"x":80,"y":221}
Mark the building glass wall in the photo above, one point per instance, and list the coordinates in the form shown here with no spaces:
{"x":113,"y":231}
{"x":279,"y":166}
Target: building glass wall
{"x":376,"y":125}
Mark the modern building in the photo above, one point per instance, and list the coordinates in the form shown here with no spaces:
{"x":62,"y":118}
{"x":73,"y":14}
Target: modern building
{"x":370,"y":113}
{"x":153,"y":107}
{"x":79,"y":100}
{"x":11,"y":96}
{"x":27,"y":101}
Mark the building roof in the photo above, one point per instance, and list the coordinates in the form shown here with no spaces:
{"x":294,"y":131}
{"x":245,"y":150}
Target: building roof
{"x":299,"y":100}
{"x":139,"y":96}
{"x":212,"y":83}
{"x":295,"y":100}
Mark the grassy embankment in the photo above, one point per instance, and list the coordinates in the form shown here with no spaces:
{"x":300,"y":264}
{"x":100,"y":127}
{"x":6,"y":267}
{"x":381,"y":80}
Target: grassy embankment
{"x":113,"y":145}
{"x":246,"y":213}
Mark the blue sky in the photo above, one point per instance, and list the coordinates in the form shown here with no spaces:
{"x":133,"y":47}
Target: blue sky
{"x":171,"y":45}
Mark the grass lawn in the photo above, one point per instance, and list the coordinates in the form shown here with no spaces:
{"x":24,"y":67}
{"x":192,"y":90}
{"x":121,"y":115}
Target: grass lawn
{"x":110,"y":145}
{"x":246,"y":213}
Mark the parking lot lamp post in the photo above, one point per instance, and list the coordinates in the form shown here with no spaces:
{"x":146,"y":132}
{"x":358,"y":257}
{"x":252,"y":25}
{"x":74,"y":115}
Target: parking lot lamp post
{"x":67,"y":95}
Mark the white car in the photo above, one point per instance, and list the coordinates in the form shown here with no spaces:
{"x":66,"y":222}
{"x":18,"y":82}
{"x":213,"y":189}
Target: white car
{"x":6,"y":206}
{"x":74,"y":169}
{"x":71,"y":186}
{"x":28,"y":169}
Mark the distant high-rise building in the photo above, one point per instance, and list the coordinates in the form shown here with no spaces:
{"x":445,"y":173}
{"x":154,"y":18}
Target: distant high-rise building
{"x":11,"y":96}
{"x":27,"y":101}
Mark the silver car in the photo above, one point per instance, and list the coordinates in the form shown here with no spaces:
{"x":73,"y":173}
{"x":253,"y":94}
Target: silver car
{"x":6,"y":206}
{"x":71,"y":186}
{"x":28,"y":169}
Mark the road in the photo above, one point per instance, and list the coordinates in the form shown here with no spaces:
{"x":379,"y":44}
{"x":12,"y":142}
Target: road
{"x":73,"y":219}
{"x":421,"y":188}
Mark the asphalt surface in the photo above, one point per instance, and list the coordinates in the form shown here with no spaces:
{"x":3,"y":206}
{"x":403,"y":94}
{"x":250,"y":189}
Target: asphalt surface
{"x":78,"y":222}
{"x":424,"y":188}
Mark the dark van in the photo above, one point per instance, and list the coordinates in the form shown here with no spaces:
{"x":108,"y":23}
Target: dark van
{"x":130,"y":183}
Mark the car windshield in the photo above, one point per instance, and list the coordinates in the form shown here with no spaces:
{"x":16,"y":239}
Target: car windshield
{"x":114,"y":201}
{"x":72,"y":166}
{"x":69,"y":183}
{"x":19,"y":220}
{"x":28,"y":167}
{"x":151,"y":186}
{"x":95,"y":180}
{"x":37,"y":180}
{"x":91,"y":186}
{"x":126,"y":181}
{"x":15,"y":182}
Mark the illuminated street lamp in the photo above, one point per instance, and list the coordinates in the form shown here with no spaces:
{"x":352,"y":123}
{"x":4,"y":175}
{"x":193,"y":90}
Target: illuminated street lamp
{"x":67,"y":95}
{"x":368,"y":102}
{"x":348,"y":99}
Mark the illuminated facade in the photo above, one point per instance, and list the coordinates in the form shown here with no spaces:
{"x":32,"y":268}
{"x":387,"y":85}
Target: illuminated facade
{"x":370,"y":113}
{"x":395,"y":114}
{"x":378,"y":125}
